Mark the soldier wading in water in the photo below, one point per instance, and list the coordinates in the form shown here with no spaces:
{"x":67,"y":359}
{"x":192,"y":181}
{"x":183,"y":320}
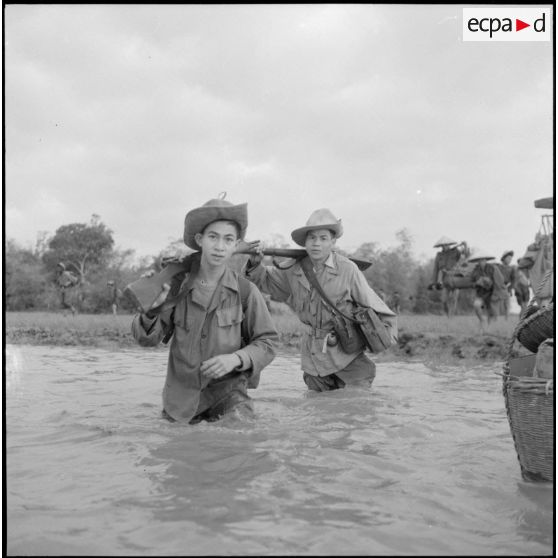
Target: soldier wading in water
{"x":222,"y":332}
{"x":326,"y":366}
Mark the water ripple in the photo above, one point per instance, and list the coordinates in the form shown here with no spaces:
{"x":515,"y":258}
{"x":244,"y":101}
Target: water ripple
{"x":422,"y":463}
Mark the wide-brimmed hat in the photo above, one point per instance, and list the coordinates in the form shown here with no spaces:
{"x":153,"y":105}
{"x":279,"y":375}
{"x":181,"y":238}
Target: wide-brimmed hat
{"x":320,"y":219}
{"x":480,"y":255}
{"x":214,"y":210}
{"x":505,"y":254}
{"x":444,"y":241}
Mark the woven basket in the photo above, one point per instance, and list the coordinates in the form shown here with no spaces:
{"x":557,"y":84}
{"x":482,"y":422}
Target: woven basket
{"x":533,"y":330}
{"x":530,"y":410}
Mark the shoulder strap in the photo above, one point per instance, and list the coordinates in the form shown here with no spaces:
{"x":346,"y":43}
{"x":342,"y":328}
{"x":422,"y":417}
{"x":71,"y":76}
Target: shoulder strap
{"x":308,"y":270}
{"x":244,"y":288}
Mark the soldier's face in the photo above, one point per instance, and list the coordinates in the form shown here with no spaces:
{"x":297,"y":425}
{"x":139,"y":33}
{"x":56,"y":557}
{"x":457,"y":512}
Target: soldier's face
{"x":319,"y":245}
{"x":218,"y":242}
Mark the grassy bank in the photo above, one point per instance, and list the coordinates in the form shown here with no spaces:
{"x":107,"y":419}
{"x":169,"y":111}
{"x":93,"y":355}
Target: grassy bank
{"x":434,"y":338}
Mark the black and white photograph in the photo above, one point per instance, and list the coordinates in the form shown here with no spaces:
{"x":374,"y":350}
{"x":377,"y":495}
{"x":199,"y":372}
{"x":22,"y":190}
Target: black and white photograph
{"x":279,"y":279}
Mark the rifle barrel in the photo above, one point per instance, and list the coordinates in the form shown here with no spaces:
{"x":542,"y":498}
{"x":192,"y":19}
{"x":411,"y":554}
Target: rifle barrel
{"x":298,"y":253}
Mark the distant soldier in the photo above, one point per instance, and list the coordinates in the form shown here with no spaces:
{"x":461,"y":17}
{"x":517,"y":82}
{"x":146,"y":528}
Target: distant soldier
{"x":65,"y":281}
{"x":447,"y":258}
{"x":489,"y":288}
{"x":115,"y":294}
{"x":509,"y":272}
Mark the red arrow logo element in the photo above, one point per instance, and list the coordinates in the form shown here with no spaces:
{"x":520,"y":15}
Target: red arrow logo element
{"x":519,"y":25}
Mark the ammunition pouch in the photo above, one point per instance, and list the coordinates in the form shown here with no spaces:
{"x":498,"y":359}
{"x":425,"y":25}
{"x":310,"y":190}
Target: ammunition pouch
{"x":349,"y":335}
{"x":365,"y":330}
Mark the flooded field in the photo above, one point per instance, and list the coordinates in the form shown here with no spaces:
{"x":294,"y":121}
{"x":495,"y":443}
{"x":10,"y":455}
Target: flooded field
{"x":422,"y":463}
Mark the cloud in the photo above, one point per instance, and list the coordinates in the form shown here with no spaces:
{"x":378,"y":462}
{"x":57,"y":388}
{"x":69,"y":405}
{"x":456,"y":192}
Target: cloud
{"x":140,"y":112}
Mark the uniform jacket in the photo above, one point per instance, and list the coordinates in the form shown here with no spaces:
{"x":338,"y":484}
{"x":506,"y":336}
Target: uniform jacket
{"x":344,"y":284}
{"x":201,"y":333}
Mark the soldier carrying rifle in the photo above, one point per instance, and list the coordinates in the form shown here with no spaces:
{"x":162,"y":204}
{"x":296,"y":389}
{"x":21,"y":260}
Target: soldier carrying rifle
{"x":326,"y":364}
{"x":221,"y":332}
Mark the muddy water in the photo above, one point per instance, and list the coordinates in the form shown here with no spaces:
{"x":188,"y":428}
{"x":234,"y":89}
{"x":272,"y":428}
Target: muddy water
{"x":422,"y":463}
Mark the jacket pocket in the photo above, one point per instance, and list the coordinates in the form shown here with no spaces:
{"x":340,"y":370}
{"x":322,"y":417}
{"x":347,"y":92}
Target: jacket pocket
{"x":227,"y":317}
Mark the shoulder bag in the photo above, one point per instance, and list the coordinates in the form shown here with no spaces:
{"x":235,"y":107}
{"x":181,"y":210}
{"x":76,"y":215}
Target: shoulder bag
{"x":363,"y":329}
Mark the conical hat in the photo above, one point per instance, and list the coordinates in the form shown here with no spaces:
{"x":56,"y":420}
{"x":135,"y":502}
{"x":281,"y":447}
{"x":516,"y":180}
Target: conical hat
{"x":214,"y":210}
{"x":480,"y":255}
{"x":444,"y":241}
{"x":320,"y":219}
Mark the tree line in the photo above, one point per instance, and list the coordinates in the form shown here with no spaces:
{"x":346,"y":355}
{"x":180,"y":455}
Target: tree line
{"x":87,"y":251}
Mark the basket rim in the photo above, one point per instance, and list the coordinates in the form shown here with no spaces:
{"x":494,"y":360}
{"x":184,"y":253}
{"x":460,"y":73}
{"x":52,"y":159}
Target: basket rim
{"x":537,"y":328}
{"x":540,"y":312}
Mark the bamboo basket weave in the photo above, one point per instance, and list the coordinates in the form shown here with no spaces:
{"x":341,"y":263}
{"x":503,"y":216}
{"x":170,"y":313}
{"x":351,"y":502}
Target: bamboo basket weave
{"x":536,"y":328}
{"x":530,"y":410}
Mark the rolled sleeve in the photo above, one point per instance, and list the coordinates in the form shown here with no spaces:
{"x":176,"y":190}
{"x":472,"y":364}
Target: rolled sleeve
{"x":245,"y":361}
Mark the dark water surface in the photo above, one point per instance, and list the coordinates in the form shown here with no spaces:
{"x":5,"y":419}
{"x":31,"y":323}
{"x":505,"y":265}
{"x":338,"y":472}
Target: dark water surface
{"x":422,"y":463}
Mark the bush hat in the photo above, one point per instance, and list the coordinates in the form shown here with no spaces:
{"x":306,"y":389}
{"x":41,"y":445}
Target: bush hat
{"x":505,"y":254}
{"x":444,"y":241}
{"x":480,"y":255}
{"x":214,"y":210}
{"x":320,"y":219}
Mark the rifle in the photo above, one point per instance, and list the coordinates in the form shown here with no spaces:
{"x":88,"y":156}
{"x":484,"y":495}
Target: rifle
{"x":298,"y":254}
{"x":144,"y":291}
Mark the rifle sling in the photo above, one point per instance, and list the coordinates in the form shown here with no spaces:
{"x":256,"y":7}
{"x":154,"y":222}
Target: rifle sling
{"x":308,"y":270}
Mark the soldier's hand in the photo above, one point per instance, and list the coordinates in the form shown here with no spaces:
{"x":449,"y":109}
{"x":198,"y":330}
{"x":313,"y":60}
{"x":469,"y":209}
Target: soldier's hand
{"x":148,"y":273}
{"x":218,"y":366}
{"x":246,"y":246}
{"x":257,"y":247}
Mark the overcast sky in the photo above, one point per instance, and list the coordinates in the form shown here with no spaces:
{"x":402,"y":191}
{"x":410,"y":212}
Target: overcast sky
{"x":381,"y":113}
